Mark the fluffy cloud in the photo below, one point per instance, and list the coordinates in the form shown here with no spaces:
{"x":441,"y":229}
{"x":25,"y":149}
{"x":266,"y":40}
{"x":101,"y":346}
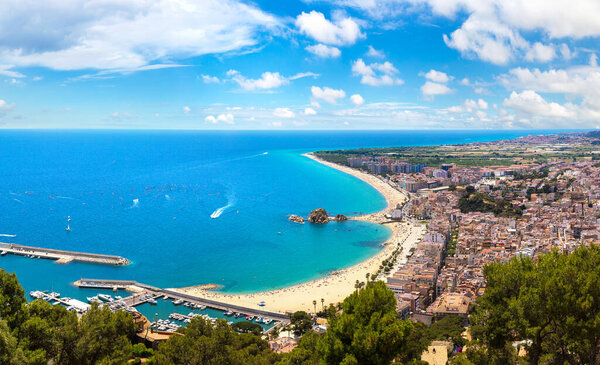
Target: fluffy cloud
{"x":225,"y":118}
{"x":540,"y":52}
{"x":471,"y":104}
{"x":79,"y":34}
{"x":268,"y":80}
{"x":376,"y":74}
{"x":310,"y":111}
{"x":372,"y":52}
{"x":283,"y":113}
{"x":437,"y":76}
{"x":576,"y":82}
{"x":324,"y":51}
{"x":5,"y":107}
{"x":210,"y":79}
{"x":431,"y":89}
{"x":327,"y":94}
{"x":186,"y":109}
{"x":493,"y":29}
{"x":530,"y":102}
{"x":341,"y":32}
{"x":356,"y":99}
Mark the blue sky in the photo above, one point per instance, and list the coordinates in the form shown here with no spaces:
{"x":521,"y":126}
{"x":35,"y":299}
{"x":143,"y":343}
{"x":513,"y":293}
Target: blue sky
{"x":338,"y":64}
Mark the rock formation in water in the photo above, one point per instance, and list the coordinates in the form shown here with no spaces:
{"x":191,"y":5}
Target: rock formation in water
{"x":318,"y":216}
{"x":341,"y":218}
{"x":296,"y":218}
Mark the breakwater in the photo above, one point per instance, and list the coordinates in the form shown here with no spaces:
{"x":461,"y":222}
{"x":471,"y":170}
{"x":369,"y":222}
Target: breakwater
{"x":61,"y":256}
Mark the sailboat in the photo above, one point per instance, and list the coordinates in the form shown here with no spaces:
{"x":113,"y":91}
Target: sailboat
{"x":68,"y":229}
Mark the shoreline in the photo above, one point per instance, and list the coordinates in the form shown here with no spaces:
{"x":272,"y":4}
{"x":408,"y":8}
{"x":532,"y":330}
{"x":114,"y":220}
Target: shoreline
{"x":336,"y":286}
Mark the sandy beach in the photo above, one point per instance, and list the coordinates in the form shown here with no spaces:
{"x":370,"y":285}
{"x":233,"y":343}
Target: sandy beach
{"x":338,"y":285}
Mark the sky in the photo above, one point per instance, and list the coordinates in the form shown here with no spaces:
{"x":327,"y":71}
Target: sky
{"x":299,"y":64}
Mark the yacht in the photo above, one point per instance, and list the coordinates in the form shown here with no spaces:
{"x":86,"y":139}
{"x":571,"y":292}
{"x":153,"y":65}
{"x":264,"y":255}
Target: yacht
{"x":3,"y":253}
{"x":105,"y":297}
{"x":228,"y":313}
{"x":152,"y":301}
{"x":178,"y":302}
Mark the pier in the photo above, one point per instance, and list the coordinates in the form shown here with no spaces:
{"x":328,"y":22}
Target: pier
{"x":61,"y":256}
{"x":155,"y":292}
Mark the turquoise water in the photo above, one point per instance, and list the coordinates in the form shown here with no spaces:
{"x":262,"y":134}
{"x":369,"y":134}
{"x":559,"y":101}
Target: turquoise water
{"x":149,"y":196}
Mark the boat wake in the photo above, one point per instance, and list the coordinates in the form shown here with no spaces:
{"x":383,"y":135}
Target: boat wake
{"x":8,"y":235}
{"x":135,"y":203}
{"x":217,"y":213}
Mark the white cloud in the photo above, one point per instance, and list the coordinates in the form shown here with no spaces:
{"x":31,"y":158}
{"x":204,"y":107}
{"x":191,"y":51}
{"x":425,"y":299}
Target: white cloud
{"x":465,"y":82}
{"x":79,"y":34}
{"x":471,"y":104}
{"x":431,"y":89}
{"x":186,"y":109}
{"x":530,"y":102}
{"x":324,"y":51}
{"x":356,"y":99}
{"x":5,"y":70}
{"x":227,"y":118}
{"x":455,"y":109}
{"x":372,"y":52}
{"x":315,"y":104}
{"x":210,"y":79}
{"x":566,"y":52}
{"x":5,"y":107}
{"x":437,"y":76}
{"x":310,"y":111}
{"x":283,"y":113}
{"x":540,"y":53}
{"x":268,"y":80}
{"x":342,"y":31}
{"x":376,"y":74}
{"x":327,"y":94}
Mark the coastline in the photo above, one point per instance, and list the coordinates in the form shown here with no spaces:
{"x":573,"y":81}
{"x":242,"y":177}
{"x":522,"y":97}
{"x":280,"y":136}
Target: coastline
{"x":336,"y":286}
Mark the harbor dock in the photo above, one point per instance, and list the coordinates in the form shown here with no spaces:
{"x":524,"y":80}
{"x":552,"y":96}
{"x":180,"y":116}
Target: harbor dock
{"x":61,"y":256}
{"x":148,"y":291}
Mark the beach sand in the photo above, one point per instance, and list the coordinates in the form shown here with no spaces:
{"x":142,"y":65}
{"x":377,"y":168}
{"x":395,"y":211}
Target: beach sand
{"x":336,"y":286}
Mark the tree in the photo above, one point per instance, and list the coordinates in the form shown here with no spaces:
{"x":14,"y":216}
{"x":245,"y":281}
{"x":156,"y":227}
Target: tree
{"x":10,"y":353}
{"x":315,"y":306}
{"x":301,"y":322}
{"x":247,"y":327}
{"x":12,"y":298}
{"x":368,"y":330}
{"x":204,"y":343}
{"x":551,"y":303}
{"x":323,"y":304}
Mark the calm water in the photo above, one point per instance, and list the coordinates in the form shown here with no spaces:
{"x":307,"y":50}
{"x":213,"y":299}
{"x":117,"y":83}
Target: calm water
{"x":149,"y":196}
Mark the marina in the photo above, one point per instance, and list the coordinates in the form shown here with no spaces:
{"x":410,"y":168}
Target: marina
{"x":149,"y":294}
{"x":61,"y":256}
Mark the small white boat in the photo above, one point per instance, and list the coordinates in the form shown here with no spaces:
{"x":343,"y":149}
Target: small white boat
{"x":152,"y":301}
{"x":228,"y":313}
{"x":3,"y":253}
{"x":178,"y":302}
{"x":68,"y":229}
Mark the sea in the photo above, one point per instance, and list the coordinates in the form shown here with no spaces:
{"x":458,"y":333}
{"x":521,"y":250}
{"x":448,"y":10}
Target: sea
{"x":191,"y":207}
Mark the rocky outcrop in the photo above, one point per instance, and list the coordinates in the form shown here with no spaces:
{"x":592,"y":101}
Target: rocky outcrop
{"x":341,"y":218}
{"x":318,"y":216}
{"x":296,"y":218}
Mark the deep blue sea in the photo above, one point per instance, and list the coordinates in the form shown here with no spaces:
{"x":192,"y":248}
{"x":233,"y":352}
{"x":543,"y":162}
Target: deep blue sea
{"x":191,"y":207}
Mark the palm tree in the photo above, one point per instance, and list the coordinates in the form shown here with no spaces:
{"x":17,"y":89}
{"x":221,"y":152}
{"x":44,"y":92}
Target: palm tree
{"x":315,"y":305}
{"x":357,"y":284}
{"x":323,"y":303}
{"x":368,"y":276}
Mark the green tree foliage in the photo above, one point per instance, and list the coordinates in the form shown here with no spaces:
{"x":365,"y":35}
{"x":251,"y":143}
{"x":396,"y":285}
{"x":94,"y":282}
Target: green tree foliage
{"x":247,"y":327}
{"x":368,"y":330}
{"x":301,"y":322}
{"x":205,"y":343}
{"x":10,"y":353}
{"x":552,"y":304}
{"x":12,"y":298}
{"x":478,"y":202}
